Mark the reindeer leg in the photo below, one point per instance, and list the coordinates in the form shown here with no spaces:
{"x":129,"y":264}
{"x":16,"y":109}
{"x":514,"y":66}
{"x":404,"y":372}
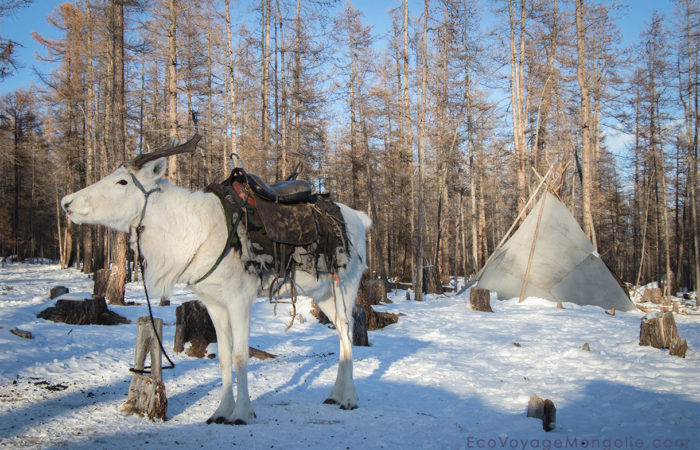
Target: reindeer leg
{"x":239,"y":315}
{"x":222,"y":325}
{"x":338,"y":308}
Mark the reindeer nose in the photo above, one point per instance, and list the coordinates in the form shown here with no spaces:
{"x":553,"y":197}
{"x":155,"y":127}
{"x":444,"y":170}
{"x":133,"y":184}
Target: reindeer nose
{"x":65,"y":203}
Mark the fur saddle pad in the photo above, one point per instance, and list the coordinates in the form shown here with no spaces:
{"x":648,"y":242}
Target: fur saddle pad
{"x":293,"y":224}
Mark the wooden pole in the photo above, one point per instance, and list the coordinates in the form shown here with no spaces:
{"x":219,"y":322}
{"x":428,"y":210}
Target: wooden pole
{"x":147,"y":395}
{"x":532,"y":249}
{"x":515,"y":222}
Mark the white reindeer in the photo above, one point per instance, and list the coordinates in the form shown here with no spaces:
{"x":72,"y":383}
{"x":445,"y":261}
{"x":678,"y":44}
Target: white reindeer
{"x":182,"y":236}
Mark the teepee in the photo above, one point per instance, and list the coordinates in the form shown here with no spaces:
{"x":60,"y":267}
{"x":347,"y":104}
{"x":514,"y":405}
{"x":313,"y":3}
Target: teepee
{"x":550,"y":257}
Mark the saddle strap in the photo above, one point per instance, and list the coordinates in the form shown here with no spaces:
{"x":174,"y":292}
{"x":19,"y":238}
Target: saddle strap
{"x":232,"y":238}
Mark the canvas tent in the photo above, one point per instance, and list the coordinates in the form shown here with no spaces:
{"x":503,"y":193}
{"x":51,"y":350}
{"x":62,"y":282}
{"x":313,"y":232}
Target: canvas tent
{"x":563,"y":263}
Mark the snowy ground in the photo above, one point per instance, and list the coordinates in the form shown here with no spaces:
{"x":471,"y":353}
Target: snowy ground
{"x":442,"y":377}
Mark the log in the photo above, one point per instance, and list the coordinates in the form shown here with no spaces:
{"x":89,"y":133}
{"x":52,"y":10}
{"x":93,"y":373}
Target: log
{"x":678,"y":347}
{"x":82,"y":312}
{"x":480,"y":299}
{"x":259,"y":354}
{"x":359,"y":327}
{"x":193,"y":325}
{"x":385,"y":318}
{"x":658,"y":329}
{"x":147,"y":395}
{"x":431,"y":280}
{"x":22,"y":333}
{"x":394,"y":285}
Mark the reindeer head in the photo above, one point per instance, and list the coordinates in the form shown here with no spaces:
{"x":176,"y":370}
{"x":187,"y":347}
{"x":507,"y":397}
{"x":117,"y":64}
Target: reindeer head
{"x":117,"y":200}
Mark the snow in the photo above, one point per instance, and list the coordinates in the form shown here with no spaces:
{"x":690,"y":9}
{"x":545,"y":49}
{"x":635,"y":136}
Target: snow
{"x":444,"y":376}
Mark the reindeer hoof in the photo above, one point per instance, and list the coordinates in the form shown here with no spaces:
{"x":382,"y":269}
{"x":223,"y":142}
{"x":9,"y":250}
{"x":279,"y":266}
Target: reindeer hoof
{"x":239,"y":422}
{"x":330,"y":401}
{"x":218,"y":420}
{"x":348,"y":407}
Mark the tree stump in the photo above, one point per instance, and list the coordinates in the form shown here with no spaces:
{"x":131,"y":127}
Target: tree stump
{"x":193,"y":325}
{"x":375,"y":290}
{"x":146,"y":391}
{"x":359,"y":327}
{"x":535,"y":407}
{"x":480,"y":299}
{"x":100,"y":278}
{"x":57,"y":291}
{"x":652,"y":295}
{"x":318,"y":314}
{"x":431,"y":280}
{"x":658,"y":329}
{"x":678,"y":347}
{"x":544,"y":410}
{"x":375,"y":320}
{"x":82,"y":312}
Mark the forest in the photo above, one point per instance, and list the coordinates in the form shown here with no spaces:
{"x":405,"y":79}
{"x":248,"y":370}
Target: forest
{"x":439,"y":127}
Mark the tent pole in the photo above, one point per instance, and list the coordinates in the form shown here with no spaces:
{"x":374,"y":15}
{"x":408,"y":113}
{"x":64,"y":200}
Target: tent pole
{"x":532,"y":249}
{"x":515,"y":222}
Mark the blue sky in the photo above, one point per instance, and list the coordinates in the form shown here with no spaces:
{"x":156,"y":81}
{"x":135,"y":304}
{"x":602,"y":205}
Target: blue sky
{"x":19,"y":28}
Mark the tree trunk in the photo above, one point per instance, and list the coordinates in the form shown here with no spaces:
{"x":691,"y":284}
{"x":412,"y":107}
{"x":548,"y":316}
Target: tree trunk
{"x":584,"y":125}
{"x":517,"y":94}
{"x":421,"y":159}
{"x":406,"y":178}
{"x":265,"y":87}
{"x":117,"y":279}
{"x":230,"y":119}
{"x":171,"y":86}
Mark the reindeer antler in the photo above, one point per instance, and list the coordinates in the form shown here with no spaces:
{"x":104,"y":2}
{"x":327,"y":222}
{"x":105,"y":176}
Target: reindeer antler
{"x":164,"y":151}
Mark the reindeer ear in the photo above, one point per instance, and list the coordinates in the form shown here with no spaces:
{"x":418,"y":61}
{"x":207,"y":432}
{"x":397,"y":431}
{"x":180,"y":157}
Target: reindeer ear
{"x":155,"y":169}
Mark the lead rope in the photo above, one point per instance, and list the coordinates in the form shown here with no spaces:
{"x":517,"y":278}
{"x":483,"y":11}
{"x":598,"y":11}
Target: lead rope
{"x":139,"y":229}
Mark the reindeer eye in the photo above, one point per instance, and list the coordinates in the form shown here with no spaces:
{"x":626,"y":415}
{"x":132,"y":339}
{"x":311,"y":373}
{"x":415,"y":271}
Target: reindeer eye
{"x":123,"y":182}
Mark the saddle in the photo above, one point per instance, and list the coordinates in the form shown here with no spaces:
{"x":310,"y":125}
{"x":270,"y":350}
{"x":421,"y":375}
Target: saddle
{"x":285,"y":222}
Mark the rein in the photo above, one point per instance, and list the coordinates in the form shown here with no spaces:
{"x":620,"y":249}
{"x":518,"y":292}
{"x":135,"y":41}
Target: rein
{"x":139,"y":229}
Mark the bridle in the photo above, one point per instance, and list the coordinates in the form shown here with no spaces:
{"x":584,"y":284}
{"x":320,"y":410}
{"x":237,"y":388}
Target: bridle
{"x":146,"y":195}
{"x":139,"y":229}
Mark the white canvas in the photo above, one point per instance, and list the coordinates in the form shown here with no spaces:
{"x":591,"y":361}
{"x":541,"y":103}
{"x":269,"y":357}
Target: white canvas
{"x":564,"y":265}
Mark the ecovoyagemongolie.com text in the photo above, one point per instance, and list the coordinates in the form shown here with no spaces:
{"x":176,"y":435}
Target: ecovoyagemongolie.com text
{"x":571,"y":442}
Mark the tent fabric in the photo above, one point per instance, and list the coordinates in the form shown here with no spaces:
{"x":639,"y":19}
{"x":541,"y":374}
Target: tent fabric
{"x":565,"y":266}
